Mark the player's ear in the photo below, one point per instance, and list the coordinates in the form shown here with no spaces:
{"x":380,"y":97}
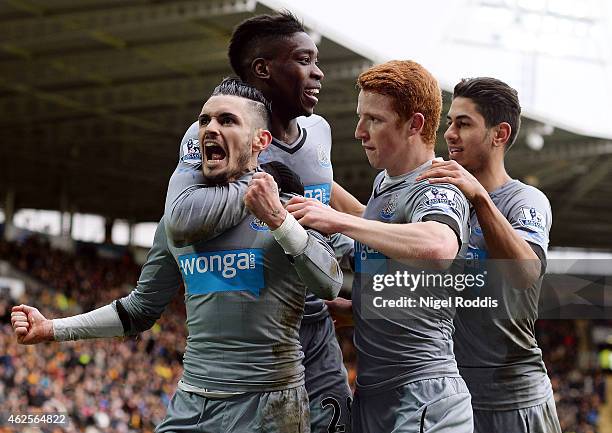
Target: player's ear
{"x":501,"y":134}
{"x":261,"y":140}
{"x":414,"y":124}
{"x":259,"y":68}
{"x":418,"y":121}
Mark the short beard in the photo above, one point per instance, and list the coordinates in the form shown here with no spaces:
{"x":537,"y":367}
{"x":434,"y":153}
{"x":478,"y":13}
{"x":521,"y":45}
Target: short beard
{"x":226,"y":177}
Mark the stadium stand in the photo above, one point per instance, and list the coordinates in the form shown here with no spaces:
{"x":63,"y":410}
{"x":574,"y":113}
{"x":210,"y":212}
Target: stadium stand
{"x":124,"y":385}
{"x":114,"y":385}
{"x":579,"y":385}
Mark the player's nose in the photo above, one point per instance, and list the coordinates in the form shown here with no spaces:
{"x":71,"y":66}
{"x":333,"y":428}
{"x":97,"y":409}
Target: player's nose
{"x":317,"y":73}
{"x":212,"y":128}
{"x":450,"y":135}
{"x":361,"y":132}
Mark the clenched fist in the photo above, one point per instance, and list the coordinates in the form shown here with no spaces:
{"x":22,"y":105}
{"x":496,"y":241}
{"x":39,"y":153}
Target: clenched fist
{"x":30,"y":326}
{"x":262,"y":200}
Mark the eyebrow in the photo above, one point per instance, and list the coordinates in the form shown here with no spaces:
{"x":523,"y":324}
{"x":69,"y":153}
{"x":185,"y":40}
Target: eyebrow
{"x":459,"y":117}
{"x":370,"y":113}
{"x":224,"y":114}
{"x":305,"y":51}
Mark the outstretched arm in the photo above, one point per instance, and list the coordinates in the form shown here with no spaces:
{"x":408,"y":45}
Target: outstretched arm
{"x":415,"y":241}
{"x":158,"y":283}
{"x":30,"y":326}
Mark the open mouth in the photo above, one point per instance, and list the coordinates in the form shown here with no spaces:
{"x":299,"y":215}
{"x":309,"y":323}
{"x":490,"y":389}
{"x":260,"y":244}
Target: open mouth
{"x":454,"y":150}
{"x":312,"y":94}
{"x":214,"y":153}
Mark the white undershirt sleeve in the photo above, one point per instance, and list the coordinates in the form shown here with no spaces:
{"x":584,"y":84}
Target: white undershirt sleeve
{"x":291,"y":236}
{"x":99,"y":323}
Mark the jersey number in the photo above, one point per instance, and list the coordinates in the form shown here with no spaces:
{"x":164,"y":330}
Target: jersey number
{"x":333,"y":426}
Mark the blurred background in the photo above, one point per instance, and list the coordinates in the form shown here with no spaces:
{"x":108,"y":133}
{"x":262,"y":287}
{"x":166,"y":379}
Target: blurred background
{"x":95,"y":96}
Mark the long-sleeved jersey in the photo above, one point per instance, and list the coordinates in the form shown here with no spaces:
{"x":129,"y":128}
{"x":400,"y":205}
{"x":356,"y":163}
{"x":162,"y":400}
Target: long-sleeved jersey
{"x":244,"y":296}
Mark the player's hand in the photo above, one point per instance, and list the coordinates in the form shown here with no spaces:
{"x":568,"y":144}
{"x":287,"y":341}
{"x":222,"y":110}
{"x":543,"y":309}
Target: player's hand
{"x":452,"y":172}
{"x":312,"y":213}
{"x":341,"y":311}
{"x":262,"y":200}
{"x":30,"y":326}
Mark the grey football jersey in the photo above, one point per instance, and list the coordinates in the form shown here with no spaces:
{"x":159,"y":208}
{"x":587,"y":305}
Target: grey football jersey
{"x":395,"y":351}
{"x":309,"y":156}
{"x":497,"y":352}
{"x":244,"y":300}
{"x":245,"y":297}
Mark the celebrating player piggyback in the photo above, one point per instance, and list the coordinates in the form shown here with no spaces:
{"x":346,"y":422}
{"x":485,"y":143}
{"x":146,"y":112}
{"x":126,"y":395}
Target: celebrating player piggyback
{"x":276,"y":55}
{"x":244,"y":289}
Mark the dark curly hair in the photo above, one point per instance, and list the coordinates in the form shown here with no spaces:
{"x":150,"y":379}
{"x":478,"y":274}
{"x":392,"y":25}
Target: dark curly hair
{"x":251,"y":38}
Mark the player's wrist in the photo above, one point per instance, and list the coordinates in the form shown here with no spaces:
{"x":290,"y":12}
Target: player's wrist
{"x":48,"y":330}
{"x":277,"y":217}
{"x":291,"y":236}
{"x":343,"y":223}
{"x":480,"y":198}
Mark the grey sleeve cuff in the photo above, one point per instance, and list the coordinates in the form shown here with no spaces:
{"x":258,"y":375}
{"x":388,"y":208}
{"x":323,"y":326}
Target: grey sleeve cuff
{"x":318,"y":268}
{"x":99,"y":323}
{"x":344,"y":248}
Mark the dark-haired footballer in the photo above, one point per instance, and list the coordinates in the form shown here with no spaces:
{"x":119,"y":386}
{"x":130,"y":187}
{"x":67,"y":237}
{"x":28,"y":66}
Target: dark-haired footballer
{"x":275,"y":54}
{"x":497,"y":352}
{"x":244,"y":290}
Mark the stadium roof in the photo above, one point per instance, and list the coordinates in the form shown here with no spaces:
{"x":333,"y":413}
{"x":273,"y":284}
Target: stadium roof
{"x":96,"y":94}
{"x":557,"y":53}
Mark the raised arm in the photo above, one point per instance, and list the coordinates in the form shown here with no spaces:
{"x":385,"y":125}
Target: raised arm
{"x":519,"y":237}
{"x":137,"y":312}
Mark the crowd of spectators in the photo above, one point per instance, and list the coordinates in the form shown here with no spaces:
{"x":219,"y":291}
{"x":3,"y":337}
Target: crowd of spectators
{"x":119,"y":385}
{"x":580,"y":391}
{"x":123,"y":385}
